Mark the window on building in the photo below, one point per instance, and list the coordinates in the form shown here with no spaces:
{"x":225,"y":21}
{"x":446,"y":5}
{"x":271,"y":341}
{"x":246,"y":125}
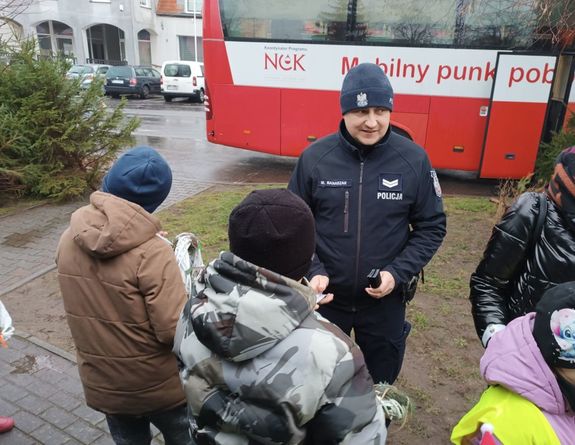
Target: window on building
{"x":106,"y":44}
{"x":145,"y":47}
{"x":55,"y":37}
{"x":190,"y":47}
{"x":194,"y":6}
{"x":145,"y":3}
{"x":11,"y":33}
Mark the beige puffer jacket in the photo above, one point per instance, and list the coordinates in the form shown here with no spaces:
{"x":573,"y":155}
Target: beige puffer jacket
{"x":123,"y":294}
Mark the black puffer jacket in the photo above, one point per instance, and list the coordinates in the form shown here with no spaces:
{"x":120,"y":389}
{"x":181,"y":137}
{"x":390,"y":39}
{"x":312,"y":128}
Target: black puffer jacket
{"x":514,"y":272}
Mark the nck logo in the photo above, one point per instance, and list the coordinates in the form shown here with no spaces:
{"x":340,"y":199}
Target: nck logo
{"x":284,"y":62}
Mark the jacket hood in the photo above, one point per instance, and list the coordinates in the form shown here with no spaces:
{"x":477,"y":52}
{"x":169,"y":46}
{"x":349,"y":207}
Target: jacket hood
{"x":246,"y":309}
{"x":512,"y":359}
{"x":110,"y":226}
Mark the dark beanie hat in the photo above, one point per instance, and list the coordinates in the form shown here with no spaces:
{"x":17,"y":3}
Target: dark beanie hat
{"x":274,"y":229}
{"x":365,"y":85}
{"x":140,"y":176}
{"x":561,"y":187}
{"x":554,"y":326}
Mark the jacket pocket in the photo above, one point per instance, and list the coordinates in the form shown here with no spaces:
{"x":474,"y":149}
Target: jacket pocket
{"x":346,"y":212}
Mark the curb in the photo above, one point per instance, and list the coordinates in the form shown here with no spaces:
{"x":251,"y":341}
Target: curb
{"x":47,"y":346}
{"x":26,"y":280}
{"x":24,"y":209}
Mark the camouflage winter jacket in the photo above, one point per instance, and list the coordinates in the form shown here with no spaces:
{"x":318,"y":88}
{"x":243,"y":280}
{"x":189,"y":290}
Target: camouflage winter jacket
{"x":259,"y":366}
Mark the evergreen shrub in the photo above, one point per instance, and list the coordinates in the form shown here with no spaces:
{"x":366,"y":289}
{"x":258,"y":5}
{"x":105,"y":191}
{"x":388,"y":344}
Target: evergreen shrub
{"x":56,"y":139}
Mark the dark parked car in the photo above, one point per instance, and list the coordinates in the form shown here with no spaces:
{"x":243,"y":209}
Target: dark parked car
{"x":127,"y":79}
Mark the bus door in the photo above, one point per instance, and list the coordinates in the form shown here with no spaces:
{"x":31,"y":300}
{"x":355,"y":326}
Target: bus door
{"x":517,"y":111}
{"x":562,"y":100}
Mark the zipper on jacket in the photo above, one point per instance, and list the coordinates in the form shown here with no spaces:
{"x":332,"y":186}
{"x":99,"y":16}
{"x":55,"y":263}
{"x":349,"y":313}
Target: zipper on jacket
{"x":346,"y":213}
{"x":358,"y":244}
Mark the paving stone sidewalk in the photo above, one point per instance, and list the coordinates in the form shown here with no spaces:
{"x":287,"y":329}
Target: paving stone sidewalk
{"x":40,"y":388}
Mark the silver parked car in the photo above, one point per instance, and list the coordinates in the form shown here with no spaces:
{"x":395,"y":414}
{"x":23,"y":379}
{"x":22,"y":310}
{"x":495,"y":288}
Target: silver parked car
{"x":87,"y":73}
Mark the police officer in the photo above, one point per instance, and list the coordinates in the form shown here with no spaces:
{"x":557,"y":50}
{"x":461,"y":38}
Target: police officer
{"x":377,"y":205}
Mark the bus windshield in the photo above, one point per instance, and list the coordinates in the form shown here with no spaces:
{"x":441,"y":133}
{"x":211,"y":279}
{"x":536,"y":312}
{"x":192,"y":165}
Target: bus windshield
{"x":494,"y":24}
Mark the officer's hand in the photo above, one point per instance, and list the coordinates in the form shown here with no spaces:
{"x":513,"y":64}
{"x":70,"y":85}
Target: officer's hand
{"x":327,"y":298}
{"x":385,"y":288}
{"x":319,"y":283}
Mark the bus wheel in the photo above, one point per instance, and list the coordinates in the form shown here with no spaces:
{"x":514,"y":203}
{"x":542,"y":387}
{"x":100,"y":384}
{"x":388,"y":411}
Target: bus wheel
{"x":167,"y":99}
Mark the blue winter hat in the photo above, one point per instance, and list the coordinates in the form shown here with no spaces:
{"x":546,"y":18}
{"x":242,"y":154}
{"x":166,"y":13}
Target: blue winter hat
{"x":140,"y":176}
{"x":365,"y":85}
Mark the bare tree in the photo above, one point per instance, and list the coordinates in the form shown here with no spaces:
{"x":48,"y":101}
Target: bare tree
{"x":9,"y":9}
{"x":344,"y":20}
{"x":557,"y":19}
{"x":552,"y":22}
{"x":413,"y":32}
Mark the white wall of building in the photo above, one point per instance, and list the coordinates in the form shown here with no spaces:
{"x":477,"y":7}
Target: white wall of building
{"x":166,"y":45}
{"x":128,"y":15}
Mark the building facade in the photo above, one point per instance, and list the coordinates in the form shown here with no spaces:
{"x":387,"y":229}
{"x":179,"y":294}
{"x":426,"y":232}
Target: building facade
{"x":138,"y":32}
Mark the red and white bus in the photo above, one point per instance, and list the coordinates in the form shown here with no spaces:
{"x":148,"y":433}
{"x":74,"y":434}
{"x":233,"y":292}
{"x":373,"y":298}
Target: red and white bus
{"x":473,"y":81}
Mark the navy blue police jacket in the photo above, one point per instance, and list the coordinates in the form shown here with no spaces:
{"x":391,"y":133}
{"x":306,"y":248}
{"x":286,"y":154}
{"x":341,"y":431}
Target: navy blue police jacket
{"x":382,"y":209}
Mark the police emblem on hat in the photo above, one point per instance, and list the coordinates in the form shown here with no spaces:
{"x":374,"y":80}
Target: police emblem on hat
{"x":362,"y":100}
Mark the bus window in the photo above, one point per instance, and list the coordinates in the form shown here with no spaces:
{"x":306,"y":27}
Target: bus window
{"x":504,"y":24}
{"x":507,"y":24}
{"x":410,"y":22}
{"x":261,"y":19}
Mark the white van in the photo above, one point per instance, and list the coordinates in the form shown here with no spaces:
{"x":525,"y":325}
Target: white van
{"x":183,"y":78}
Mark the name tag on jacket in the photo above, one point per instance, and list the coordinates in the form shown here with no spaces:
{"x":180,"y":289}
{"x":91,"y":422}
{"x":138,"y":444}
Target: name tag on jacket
{"x":334,"y":183}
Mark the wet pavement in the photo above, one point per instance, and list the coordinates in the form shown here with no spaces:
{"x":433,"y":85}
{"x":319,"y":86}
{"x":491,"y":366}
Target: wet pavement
{"x":41,"y":390}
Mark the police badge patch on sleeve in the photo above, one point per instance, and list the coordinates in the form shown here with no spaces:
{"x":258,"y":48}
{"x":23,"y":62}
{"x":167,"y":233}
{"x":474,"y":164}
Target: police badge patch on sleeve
{"x":436,"y":185}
